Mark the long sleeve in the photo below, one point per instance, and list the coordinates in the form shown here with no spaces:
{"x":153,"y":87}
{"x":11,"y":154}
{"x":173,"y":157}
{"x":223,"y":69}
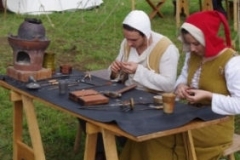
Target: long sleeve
{"x":168,"y":71}
{"x":149,"y":79}
{"x":221,"y":104}
{"x":182,"y":78}
{"x":229,"y":105}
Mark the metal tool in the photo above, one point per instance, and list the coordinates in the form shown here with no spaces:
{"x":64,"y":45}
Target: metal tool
{"x":125,"y":106}
{"x":117,"y":94}
{"x":51,"y":82}
{"x":129,"y":105}
{"x":149,"y":107}
{"x":87,"y":76}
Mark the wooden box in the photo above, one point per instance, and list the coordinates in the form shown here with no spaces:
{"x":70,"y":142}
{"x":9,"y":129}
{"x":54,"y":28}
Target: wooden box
{"x":88,"y":97}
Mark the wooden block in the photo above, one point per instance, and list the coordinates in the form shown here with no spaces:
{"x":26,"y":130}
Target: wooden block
{"x":88,"y":97}
{"x":74,"y":95}
{"x":93,"y":100}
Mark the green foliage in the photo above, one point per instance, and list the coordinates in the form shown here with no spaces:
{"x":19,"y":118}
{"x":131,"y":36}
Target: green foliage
{"x":87,"y":39}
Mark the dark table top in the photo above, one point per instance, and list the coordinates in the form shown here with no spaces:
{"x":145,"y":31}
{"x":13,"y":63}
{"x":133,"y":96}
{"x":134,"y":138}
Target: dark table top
{"x":137,"y":122}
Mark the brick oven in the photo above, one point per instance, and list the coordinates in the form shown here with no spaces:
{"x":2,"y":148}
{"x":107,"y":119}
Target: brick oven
{"x":28,"y":51}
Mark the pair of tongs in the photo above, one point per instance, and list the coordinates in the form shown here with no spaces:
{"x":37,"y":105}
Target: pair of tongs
{"x":130,"y":106}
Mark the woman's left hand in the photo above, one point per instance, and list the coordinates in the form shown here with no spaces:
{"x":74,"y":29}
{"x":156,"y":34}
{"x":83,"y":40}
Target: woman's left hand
{"x":129,"y":67}
{"x":196,"y":95}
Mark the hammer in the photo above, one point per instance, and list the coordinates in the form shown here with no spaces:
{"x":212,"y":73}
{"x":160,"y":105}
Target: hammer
{"x":117,"y":94}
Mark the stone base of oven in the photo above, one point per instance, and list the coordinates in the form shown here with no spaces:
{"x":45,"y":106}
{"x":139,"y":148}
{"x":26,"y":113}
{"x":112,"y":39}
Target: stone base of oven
{"x":24,"y":75}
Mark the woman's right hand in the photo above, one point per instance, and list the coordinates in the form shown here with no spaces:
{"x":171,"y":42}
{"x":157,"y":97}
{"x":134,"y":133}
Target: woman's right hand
{"x":116,"y":66}
{"x":181,"y":91}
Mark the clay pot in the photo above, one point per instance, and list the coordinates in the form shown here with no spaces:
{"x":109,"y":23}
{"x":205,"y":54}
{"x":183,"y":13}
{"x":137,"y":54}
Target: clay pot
{"x":31,"y":29}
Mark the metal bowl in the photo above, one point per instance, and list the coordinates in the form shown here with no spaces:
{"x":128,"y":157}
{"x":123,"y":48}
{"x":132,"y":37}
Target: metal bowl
{"x":157,"y":99}
{"x":33,"y":86}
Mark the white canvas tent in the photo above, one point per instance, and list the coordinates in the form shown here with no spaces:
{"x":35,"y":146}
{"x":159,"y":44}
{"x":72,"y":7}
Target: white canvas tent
{"x":48,"y":6}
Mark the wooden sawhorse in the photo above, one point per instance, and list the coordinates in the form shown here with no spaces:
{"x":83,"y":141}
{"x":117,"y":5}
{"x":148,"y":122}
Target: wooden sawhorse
{"x":156,"y":8}
{"x":182,"y":6}
{"x":22,"y":151}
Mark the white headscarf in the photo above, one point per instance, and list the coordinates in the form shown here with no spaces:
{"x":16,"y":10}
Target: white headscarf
{"x":139,"y":20}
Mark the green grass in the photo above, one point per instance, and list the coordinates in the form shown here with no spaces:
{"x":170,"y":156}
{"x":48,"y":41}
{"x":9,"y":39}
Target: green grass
{"x":87,"y":39}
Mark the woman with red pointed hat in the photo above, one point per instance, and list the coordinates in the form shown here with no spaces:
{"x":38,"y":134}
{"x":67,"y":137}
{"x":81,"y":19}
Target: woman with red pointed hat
{"x":211,"y":71}
{"x":210,"y":76}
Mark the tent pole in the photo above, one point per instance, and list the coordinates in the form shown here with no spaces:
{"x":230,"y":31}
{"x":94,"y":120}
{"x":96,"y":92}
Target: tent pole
{"x":133,"y":4}
{"x":5,"y":8}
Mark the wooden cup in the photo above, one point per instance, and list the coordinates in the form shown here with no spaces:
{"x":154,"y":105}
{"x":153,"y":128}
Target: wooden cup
{"x":168,"y":102}
{"x":66,"y":69}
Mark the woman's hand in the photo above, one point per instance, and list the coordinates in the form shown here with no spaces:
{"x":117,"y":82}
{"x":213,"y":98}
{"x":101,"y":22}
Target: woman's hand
{"x":181,"y":91}
{"x":196,"y":95}
{"x":116,"y":66}
{"x":129,"y":67}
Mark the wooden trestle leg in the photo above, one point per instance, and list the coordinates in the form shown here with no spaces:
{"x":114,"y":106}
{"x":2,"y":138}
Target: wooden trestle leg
{"x":21,"y":151}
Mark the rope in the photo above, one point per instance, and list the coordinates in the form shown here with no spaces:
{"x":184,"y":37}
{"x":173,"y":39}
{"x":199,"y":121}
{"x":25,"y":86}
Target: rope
{"x":79,"y":3}
{"x":42,"y":8}
{"x":238,"y":26}
{"x":110,"y":14}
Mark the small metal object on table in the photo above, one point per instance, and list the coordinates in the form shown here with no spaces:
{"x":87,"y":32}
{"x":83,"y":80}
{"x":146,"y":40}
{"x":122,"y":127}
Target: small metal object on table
{"x":116,"y":94}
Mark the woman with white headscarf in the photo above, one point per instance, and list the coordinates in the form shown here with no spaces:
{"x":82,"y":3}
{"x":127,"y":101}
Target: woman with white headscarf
{"x":210,"y":76}
{"x":146,"y":58}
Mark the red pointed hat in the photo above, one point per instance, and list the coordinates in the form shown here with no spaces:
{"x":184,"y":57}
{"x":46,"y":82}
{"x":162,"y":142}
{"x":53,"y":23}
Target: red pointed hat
{"x":209,"y":22}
